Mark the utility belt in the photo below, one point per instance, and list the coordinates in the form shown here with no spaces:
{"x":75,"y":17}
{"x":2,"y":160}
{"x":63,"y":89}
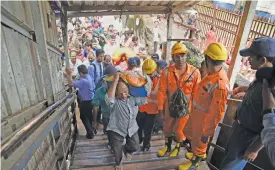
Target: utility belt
{"x":248,"y":130}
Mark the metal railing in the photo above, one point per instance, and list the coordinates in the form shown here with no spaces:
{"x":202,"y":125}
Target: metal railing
{"x":231,"y":108}
{"x":26,"y":131}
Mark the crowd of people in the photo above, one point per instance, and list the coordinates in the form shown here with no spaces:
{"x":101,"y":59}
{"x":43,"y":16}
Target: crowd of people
{"x":186,"y":103}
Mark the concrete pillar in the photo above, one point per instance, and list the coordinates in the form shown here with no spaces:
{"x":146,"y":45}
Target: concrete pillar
{"x":170,"y":21}
{"x":241,"y":40}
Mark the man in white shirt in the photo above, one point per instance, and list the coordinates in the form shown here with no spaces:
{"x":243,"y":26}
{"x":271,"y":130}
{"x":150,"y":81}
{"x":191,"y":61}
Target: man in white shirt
{"x":111,"y":46}
{"x":74,"y":63}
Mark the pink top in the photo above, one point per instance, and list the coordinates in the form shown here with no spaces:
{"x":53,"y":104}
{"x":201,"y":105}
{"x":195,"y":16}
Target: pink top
{"x":211,"y":36}
{"x":123,"y":65}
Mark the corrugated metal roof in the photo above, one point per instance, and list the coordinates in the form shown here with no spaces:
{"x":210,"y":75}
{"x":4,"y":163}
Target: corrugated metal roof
{"x":122,"y":7}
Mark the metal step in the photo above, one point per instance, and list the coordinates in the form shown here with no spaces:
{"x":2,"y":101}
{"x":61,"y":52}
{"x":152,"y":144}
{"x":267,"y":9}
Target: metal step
{"x":143,"y":161}
{"x":91,"y":147}
{"x":107,"y":153}
{"x":94,"y":154}
{"x":82,"y":139}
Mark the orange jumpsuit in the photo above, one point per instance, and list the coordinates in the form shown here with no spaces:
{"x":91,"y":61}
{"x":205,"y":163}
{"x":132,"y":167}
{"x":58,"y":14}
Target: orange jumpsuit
{"x":167,"y":87}
{"x":208,"y":110}
{"x":152,"y":106}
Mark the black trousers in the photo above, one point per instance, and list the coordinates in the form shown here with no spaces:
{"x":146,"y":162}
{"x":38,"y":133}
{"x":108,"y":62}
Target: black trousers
{"x":86,"y":116}
{"x":158,"y":124}
{"x":105,"y":124}
{"x":146,"y":123}
{"x":99,"y":115}
{"x":132,"y":145}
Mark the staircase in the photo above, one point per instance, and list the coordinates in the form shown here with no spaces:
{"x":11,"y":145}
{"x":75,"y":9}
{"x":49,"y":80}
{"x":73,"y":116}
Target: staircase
{"x":94,"y":154}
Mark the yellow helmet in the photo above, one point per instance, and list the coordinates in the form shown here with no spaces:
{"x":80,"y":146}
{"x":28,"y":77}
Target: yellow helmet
{"x":179,"y":48}
{"x":149,"y":66}
{"x":216,"y":51}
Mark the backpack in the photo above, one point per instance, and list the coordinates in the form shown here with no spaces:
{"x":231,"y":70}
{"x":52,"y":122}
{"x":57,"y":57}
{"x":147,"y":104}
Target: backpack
{"x":100,"y":81}
{"x":179,"y":105}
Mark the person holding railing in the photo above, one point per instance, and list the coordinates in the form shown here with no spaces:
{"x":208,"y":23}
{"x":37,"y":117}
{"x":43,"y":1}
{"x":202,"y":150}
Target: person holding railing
{"x":86,"y":90}
{"x":245,"y":141}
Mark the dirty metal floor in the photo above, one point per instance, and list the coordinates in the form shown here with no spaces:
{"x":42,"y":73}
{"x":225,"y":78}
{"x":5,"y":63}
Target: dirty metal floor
{"x":93,"y":154}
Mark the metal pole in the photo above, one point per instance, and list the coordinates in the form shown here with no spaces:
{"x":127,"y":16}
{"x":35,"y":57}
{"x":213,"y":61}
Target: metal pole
{"x":64,"y":23}
{"x":241,"y":40}
{"x":170,"y":20}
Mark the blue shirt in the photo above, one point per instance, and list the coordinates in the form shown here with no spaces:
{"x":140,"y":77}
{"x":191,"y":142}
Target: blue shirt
{"x":96,"y":71}
{"x":99,"y":100}
{"x":85,"y":53}
{"x":86,"y":87}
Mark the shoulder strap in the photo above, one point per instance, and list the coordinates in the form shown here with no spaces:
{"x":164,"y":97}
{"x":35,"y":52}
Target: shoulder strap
{"x":93,"y":64}
{"x":178,"y":83}
{"x":190,"y":76}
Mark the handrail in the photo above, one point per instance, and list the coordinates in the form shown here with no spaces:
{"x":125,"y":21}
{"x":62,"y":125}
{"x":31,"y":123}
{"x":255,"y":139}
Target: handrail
{"x":24,"y":132}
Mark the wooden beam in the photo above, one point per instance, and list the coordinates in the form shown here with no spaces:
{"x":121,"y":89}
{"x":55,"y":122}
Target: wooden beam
{"x":183,"y":5}
{"x":114,"y":7}
{"x":83,"y":14}
{"x":13,"y":22}
{"x":42,"y":49}
{"x":241,"y":40}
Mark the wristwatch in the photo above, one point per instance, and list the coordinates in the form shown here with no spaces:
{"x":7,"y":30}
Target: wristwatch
{"x":266,"y":111}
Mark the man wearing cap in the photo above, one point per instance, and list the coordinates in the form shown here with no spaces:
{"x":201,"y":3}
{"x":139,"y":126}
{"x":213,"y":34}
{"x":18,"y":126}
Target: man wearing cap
{"x":155,"y":57}
{"x":179,"y":75}
{"x":209,"y":101}
{"x":245,"y":141}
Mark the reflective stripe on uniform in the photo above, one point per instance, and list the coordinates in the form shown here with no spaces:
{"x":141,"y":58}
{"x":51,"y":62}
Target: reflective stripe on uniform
{"x":197,"y":106}
{"x":213,"y":88}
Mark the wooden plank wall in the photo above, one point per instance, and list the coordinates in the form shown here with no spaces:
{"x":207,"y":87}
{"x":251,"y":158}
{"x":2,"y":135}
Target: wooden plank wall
{"x":227,"y":22}
{"x":23,"y":91}
{"x":57,"y":74}
{"x":49,"y":23}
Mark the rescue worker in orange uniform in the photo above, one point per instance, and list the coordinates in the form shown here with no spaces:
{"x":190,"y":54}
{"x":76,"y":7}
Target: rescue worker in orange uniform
{"x":148,"y":112}
{"x":178,"y":75}
{"x":208,"y":105}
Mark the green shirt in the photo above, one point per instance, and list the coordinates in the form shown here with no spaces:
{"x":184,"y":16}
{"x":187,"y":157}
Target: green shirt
{"x":99,"y":100}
